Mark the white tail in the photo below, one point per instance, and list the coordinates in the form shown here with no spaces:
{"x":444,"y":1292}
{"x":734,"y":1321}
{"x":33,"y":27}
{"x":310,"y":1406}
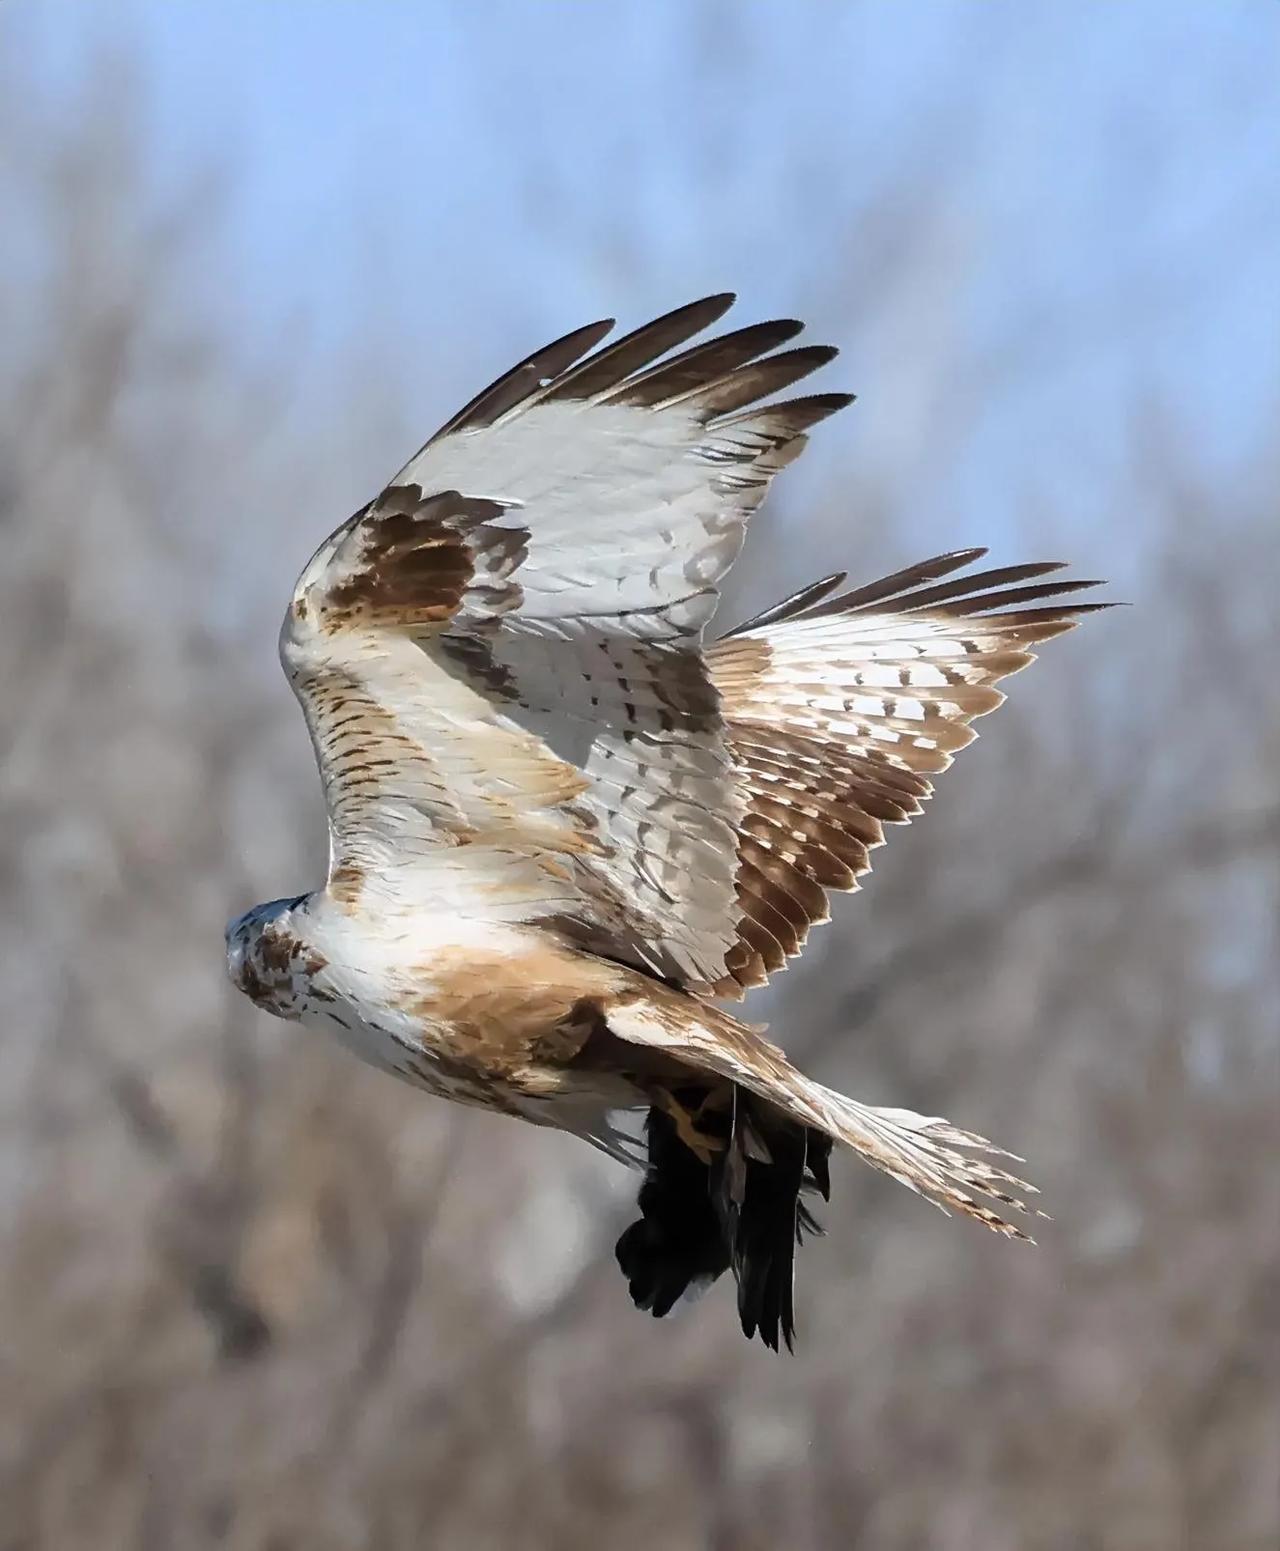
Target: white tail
{"x":930,"y":1156}
{"x":926,"y":1153}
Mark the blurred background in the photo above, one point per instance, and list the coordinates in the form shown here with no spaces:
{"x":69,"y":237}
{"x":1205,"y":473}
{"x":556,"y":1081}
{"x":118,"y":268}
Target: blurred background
{"x":255,"y":1296}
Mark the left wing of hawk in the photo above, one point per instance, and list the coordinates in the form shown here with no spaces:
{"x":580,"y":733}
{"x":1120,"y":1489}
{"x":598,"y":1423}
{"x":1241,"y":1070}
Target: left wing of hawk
{"x":840,"y":710}
{"x":556,"y":549}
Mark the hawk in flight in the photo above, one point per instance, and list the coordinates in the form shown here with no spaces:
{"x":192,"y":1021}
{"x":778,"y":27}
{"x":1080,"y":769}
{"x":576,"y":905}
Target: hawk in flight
{"x":564,"y":826}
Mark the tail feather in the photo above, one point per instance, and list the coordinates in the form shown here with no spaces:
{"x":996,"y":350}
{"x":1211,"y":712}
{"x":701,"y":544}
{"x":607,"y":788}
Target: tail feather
{"x":925,"y":1152}
{"x":932,"y":1157}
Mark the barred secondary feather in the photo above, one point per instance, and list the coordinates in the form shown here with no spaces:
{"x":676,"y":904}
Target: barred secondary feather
{"x":839,"y":709}
{"x":539,"y":921}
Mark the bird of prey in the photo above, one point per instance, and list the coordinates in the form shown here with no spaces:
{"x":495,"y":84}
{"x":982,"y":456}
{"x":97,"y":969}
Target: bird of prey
{"x":564,"y":826}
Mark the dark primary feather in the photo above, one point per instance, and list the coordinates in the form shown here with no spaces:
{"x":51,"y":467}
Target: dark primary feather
{"x":898,"y":582}
{"x":718,"y":378}
{"x":788,"y":420}
{"x":795,"y":603}
{"x":524,"y":379}
{"x":757,"y":380}
{"x":615,"y":363}
{"x":670,"y":380}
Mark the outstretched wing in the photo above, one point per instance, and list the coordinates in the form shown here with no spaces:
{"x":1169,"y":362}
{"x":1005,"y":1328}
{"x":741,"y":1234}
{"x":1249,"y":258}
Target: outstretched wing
{"x":838,"y":712}
{"x":431,"y":791}
{"x":554,"y":551}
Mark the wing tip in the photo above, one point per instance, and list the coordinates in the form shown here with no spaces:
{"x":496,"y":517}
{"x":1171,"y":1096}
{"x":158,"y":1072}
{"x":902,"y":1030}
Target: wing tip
{"x":708,"y":308}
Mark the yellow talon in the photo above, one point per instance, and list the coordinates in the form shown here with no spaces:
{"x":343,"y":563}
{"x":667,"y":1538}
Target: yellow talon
{"x":702,"y":1146}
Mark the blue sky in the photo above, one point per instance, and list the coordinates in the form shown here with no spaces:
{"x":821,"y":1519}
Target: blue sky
{"x":1073,"y":208}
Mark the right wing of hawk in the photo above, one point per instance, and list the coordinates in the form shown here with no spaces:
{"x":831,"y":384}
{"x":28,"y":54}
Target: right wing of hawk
{"x":556,"y":550}
{"x":838,"y":712}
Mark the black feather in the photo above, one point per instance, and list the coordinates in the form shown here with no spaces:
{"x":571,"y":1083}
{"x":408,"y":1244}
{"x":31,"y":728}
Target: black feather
{"x":742,"y":1212}
{"x":678,"y":1241}
{"x":765,"y":1223}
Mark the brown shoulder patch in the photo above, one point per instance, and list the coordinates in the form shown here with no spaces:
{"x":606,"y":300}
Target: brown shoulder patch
{"x":413,"y":566}
{"x":410,"y":560}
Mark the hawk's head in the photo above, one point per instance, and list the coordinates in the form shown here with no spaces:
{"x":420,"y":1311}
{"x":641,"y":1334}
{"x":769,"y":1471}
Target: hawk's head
{"x":265,"y":957}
